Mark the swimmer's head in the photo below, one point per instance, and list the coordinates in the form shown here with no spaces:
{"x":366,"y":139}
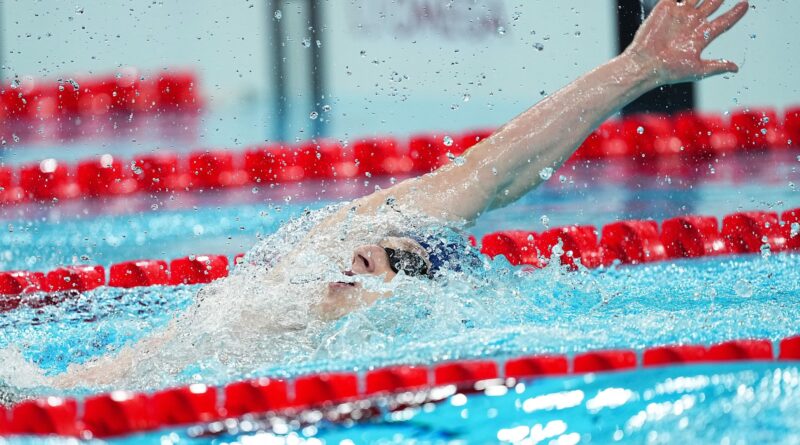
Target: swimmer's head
{"x":412,"y":255}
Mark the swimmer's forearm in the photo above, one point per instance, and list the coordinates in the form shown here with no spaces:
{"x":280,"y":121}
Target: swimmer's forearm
{"x":546,"y":135}
{"x":667,"y":49}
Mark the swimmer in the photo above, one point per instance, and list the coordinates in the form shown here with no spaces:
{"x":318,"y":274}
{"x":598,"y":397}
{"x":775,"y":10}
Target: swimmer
{"x":492,"y":174}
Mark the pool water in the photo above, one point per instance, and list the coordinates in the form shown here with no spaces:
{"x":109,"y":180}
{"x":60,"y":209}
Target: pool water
{"x":498,"y":312}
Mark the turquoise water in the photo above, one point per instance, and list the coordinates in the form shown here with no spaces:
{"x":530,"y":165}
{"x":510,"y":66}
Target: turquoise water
{"x":496,"y":313}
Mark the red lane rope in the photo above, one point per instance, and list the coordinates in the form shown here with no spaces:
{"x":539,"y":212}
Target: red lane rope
{"x":643,"y":137}
{"x":628,"y":242}
{"x":32,"y":100}
{"x":125,"y":412}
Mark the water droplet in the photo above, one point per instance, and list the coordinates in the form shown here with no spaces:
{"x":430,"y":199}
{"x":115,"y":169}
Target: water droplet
{"x":562,"y":179}
{"x":743,"y":288}
{"x":538,"y":46}
{"x":326,"y":108}
{"x":501,"y":30}
{"x":545,"y":220}
{"x":363,"y":53}
{"x":154,"y":207}
{"x":306,"y":42}
{"x":546,"y":173}
{"x":765,"y":249}
{"x":792,"y":186}
{"x":794,"y":230}
{"x":763,"y":131}
{"x":254,"y":190}
{"x":494,"y":171}
{"x":278,"y":14}
{"x":459,"y":160}
{"x":136,"y":169}
{"x":447,"y":141}
{"x":753,"y":36}
{"x":466,"y":97}
{"x":640,"y":130}
{"x":313,"y":115}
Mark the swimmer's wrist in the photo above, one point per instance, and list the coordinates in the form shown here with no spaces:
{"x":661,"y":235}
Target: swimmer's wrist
{"x":641,"y":70}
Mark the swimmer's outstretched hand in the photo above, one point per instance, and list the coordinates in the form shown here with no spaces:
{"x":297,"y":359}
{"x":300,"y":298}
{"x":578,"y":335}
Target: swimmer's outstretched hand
{"x":675,"y":34}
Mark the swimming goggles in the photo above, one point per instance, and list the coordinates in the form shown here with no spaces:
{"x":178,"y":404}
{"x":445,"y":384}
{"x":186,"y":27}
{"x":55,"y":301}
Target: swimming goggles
{"x":410,"y":263}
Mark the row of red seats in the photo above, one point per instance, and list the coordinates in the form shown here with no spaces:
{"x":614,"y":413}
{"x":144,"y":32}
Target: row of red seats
{"x":634,"y":242}
{"x":187,"y":270}
{"x":124,"y":92}
{"x":109,"y":176}
{"x":122,"y":412}
{"x":693,"y":135}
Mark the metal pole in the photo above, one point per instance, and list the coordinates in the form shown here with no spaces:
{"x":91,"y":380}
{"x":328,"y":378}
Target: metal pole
{"x":667,"y":99}
{"x":317,"y":68}
{"x":278,"y":69}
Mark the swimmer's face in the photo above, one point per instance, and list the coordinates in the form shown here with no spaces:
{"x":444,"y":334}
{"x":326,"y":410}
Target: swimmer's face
{"x":344,"y":296}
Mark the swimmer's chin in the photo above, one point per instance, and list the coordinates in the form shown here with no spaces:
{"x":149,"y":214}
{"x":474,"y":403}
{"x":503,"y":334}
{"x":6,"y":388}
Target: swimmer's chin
{"x":341,"y":298}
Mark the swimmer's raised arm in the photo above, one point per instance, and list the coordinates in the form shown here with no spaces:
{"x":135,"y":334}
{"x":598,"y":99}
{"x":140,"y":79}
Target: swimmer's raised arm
{"x":502,"y":168}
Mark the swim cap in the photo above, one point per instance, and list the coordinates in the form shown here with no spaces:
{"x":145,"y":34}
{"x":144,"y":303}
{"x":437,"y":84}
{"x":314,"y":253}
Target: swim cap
{"x":445,"y":253}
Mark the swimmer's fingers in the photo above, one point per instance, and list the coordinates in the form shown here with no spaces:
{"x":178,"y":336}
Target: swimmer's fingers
{"x":726,"y":21}
{"x":710,"y":6}
{"x":721,"y":66}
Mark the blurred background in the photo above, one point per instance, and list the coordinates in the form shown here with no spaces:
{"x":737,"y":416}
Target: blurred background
{"x":293,"y":69}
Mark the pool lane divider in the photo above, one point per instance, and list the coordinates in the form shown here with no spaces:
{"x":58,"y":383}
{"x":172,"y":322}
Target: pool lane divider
{"x":624,"y":242}
{"x":124,"y":92}
{"x":120,"y":413}
{"x":696,"y":137}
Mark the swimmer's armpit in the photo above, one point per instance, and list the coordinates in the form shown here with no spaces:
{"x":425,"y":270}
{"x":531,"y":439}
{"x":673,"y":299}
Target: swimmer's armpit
{"x":500,"y":169}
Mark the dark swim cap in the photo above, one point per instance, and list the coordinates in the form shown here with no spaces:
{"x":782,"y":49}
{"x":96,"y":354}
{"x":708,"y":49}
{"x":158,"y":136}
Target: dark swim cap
{"x":447,"y":254}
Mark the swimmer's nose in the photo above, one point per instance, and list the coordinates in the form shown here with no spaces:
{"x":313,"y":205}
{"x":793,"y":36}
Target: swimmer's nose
{"x":368,"y":260}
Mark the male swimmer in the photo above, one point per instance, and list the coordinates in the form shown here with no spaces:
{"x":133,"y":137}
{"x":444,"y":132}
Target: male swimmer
{"x":350,"y":255}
